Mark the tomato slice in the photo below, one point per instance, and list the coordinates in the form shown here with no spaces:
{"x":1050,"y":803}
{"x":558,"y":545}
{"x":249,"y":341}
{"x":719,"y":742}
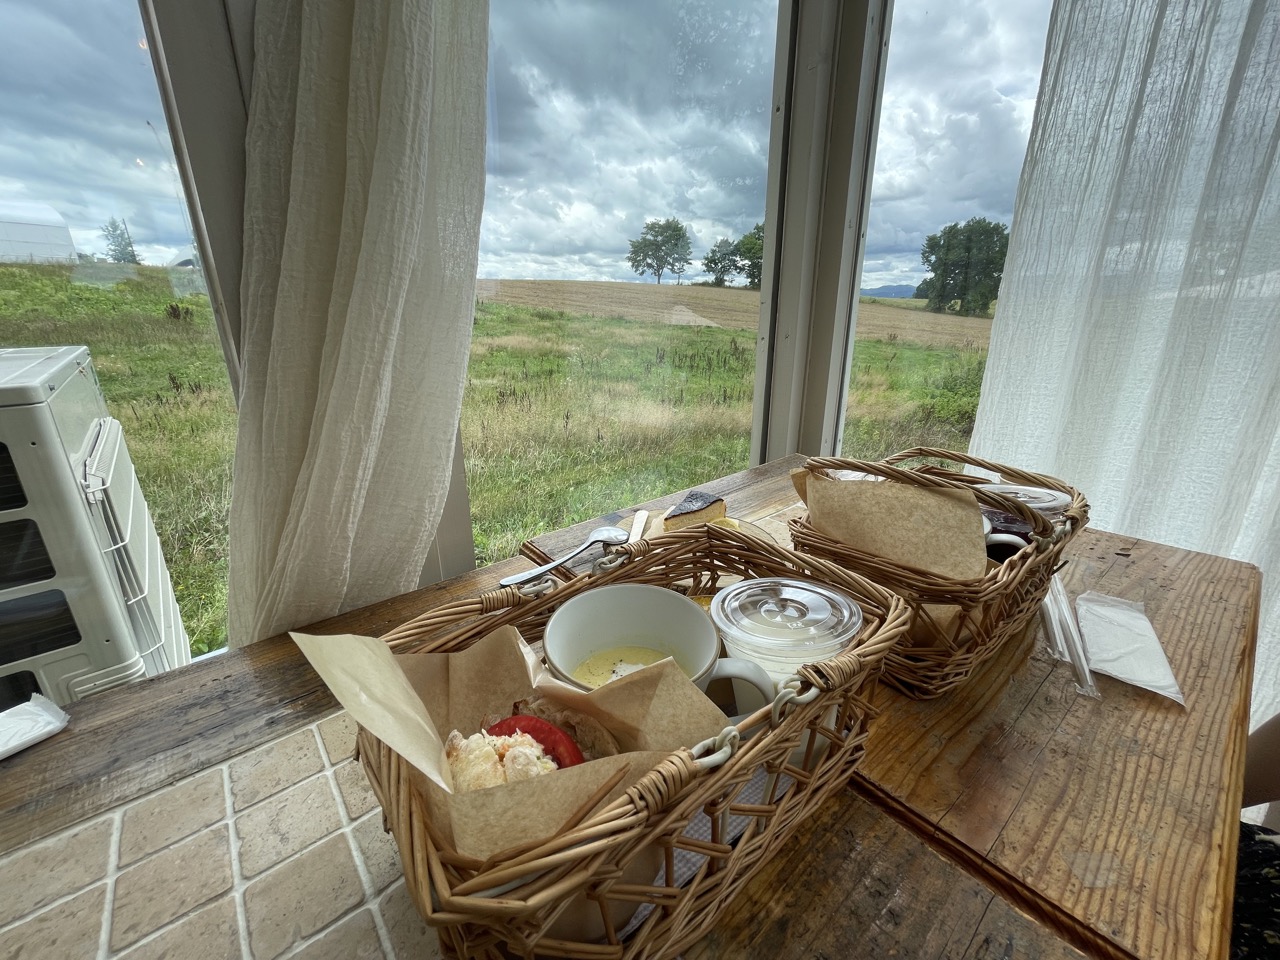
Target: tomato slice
{"x":557,"y":744}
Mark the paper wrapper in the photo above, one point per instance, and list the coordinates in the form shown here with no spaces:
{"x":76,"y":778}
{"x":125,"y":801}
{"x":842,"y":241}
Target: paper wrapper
{"x":937,"y":531}
{"x":412,"y":701}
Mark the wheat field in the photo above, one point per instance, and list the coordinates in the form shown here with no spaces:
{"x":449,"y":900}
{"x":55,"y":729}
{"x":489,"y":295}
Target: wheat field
{"x":735,"y":308}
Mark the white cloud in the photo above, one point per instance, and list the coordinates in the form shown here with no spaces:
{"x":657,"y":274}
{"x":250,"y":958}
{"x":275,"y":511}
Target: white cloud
{"x":81,"y":126}
{"x":599,"y":124}
{"x":602,"y":115}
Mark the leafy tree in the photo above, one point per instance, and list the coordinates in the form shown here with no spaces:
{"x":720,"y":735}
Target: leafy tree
{"x":750,"y":251}
{"x":663,"y":245}
{"x":119,"y":243}
{"x":966,"y":262}
{"x":721,"y":260}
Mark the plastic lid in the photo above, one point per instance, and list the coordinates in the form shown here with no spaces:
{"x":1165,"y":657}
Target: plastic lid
{"x":785,"y":619}
{"x":1040,"y":499}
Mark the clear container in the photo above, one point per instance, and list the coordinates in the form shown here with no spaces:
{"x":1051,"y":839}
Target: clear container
{"x":1051,"y":504}
{"x":782,"y":624}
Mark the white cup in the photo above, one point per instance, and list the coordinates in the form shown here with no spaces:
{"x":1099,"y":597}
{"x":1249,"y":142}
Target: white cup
{"x":643,"y":615}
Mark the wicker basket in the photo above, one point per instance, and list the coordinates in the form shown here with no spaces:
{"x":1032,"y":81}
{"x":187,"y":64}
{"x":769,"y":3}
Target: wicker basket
{"x":703,"y":826}
{"x":958,"y":624}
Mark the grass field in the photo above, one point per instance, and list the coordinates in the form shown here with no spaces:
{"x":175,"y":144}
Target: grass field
{"x":650,"y":391}
{"x":581,"y":397}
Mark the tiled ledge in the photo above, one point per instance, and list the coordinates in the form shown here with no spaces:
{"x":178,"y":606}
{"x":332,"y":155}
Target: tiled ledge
{"x":278,"y":852}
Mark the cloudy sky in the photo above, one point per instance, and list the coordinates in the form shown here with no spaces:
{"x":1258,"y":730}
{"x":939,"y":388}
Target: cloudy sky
{"x":603,"y":114}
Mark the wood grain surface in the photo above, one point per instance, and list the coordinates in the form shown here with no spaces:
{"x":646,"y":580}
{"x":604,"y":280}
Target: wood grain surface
{"x":858,"y":884}
{"x":1121,"y":813}
{"x":1113,"y":821}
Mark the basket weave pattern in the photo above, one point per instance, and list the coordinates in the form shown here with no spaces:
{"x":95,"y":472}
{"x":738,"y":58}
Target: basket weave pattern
{"x":710,"y":829}
{"x":958,"y":624}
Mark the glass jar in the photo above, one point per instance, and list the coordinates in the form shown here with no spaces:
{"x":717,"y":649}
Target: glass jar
{"x":782,"y":624}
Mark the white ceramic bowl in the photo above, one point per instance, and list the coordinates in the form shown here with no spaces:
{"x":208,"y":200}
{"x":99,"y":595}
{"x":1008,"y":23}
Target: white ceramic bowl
{"x":630,"y":615}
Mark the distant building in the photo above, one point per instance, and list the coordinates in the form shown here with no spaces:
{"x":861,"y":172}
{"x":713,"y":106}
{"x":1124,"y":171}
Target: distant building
{"x":33,"y":233}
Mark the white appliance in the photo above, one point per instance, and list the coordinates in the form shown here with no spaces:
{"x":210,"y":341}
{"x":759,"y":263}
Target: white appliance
{"x":85,"y":597}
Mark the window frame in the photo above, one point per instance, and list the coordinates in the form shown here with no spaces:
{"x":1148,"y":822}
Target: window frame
{"x":828,"y":86}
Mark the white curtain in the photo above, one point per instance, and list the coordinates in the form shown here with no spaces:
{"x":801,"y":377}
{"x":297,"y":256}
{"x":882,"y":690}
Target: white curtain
{"x":1136,"y":345}
{"x":364,"y":188}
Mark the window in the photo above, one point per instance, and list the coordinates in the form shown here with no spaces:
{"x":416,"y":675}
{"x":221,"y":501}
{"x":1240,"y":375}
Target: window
{"x":96,"y":249}
{"x":959,"y":92}
{"x":613,"y":355}
{"x":815,"y":178}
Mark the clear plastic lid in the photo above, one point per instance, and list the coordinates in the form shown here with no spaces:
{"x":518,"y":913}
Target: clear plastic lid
{"x":1042,"y":500}
{"x":780,"y":618}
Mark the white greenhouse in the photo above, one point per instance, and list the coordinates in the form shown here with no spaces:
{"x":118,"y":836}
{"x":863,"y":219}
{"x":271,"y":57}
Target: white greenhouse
{"x":33,"y":233}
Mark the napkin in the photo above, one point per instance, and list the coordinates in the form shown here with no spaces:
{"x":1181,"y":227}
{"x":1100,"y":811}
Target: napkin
{"x":1121,"y":643}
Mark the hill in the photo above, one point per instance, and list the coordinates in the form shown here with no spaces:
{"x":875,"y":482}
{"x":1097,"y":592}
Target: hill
{"x":891,"y":291}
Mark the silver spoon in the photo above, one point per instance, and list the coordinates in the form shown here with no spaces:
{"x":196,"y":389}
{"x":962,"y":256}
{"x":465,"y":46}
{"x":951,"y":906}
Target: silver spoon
{"x":605,"y":535}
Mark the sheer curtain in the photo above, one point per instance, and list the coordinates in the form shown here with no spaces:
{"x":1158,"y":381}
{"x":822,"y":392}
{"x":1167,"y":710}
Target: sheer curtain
{"x":1136,"y":346}
{"x":363,"y":195}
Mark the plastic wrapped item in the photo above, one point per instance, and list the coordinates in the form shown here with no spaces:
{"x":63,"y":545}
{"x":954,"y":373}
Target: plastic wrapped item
{"x":1065,"y":641}
{"x":1121,"y":643}
{"x":29,"y":723}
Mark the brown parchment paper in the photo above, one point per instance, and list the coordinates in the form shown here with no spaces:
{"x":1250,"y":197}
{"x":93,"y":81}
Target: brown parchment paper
{"x":412,"y":701}
{"x":939,"y":531}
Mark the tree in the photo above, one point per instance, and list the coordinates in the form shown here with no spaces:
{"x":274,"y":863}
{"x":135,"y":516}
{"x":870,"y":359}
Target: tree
{"x":663,"y":245}
{"x":721,"y":260}
{"x":119,"y":243}
{"x":750,"y":251}
{"x":966,"y":262}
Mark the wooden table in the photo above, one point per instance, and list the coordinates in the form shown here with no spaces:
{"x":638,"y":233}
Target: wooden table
{"x":1015,"y":817}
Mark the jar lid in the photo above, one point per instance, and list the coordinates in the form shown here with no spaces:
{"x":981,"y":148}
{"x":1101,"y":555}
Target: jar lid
{"x":1043,"y":500}
{"x":780,"y":617}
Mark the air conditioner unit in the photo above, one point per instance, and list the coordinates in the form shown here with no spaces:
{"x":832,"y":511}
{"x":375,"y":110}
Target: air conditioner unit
{"x":86,"y":602}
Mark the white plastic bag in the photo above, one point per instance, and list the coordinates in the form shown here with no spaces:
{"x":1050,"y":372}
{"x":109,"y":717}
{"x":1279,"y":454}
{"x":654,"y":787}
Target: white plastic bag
{"x":29,"y":723}
{"x":1121,"y":643}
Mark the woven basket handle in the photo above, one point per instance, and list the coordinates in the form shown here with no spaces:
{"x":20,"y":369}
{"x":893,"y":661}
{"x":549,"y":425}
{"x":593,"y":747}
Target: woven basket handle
{"x":1041,"y":528}
{"x":849,"y":665}
{"x":412,"y":635}
{"x":662,"y":785}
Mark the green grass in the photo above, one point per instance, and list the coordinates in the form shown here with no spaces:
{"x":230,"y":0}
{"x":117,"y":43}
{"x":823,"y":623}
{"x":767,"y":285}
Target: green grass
{"x":906,"y":395}
{"x":597,"y":414}
{"x":564,"y":418}
{"x":594,"y":415}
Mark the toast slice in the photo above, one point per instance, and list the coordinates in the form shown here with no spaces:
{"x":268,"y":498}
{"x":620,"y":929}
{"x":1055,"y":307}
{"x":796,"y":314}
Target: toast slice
{"x":697,"y":507}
